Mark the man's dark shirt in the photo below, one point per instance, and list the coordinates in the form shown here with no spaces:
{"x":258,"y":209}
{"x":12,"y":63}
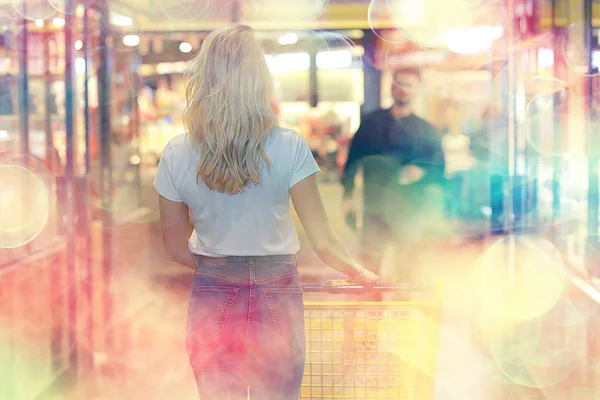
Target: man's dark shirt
{"x":382,"y":146}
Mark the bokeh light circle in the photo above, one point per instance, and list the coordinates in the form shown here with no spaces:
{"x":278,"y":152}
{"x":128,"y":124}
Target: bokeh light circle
{"x":572,"y":311}
{"x":16,"y":35}
{"x":34,"y":9}
{"x":541,"y":113}
{"x":60,"y":5}
{"x":285,"y":10}
{"x":25,"y":205}
{"x":381,"y":10}
{"x":337,"y":58}
{"x":508,"y":341}
{"x":223,"y":9}
{"x":522,"y":277}
{"x":9,"y":18}
{"x":545,"y":86}
{"x":500,"y":85}
{"x":573,"y":50}
{"x":535,"y":355}
{"x":185,"y":10}
{"x":428,"y":22}
{"x":405,"y":57}
{"x":118,"y":42}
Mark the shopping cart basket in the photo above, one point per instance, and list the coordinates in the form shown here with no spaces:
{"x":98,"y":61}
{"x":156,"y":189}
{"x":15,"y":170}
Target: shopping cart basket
{"x":371,"y":350}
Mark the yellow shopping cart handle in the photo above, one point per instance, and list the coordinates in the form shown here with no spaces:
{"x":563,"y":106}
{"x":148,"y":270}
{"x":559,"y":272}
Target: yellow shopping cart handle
{"x":345,"y":287}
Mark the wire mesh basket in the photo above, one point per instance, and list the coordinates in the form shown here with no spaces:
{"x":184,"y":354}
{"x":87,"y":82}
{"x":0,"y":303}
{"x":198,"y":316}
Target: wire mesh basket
{"x":368,"y":349}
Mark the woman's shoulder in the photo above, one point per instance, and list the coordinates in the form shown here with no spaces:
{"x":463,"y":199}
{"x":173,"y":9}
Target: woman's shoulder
{"x":282,"y":133}
{"x":283,"y":138}
{"x":180,"y":143}
{"x":179,"y":147}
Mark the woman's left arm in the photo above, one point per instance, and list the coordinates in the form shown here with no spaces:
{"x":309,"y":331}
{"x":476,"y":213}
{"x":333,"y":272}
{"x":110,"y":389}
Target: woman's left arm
{"x":174,"y":222}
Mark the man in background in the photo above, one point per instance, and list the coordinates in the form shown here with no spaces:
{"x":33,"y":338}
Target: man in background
{"x":400,"y":155}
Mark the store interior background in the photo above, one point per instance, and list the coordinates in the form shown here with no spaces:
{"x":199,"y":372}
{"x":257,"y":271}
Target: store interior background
{"x":91,"y":91}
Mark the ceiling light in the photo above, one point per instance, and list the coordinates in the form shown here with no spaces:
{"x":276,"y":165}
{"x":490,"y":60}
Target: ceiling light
{"x":545,"y":58}
{"x":472,"y":41}
{"x":185,"y":47}
{"x":596,"y":59}
{"x":334,"y":59}
{"x":288,"y":62}
{"x":80,"y":66}
{"x":39,"y":23}
{"x":288,"y":38}
{"x":356,"y":34}
{"x":131,"y":40}
{"x":120,"y":20}
{"x":78,"y":45}
{"x":58,"y":22}
{"x":135,"y":160}
{"x":80,"y":10}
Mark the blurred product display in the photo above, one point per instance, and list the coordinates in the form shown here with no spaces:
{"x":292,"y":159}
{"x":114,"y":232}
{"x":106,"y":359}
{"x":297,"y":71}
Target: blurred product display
{"x":92,"y":91}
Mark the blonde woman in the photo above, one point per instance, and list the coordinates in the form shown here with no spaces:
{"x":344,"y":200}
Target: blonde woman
{"x":234,"y":172}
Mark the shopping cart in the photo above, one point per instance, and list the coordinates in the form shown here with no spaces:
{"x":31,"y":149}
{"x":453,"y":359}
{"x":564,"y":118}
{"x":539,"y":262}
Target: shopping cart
{"x":371,"y":350}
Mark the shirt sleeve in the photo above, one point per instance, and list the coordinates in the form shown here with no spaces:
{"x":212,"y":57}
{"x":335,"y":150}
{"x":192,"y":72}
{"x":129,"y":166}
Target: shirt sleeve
{"x":304,"y":164}
{"x":163,"y":181}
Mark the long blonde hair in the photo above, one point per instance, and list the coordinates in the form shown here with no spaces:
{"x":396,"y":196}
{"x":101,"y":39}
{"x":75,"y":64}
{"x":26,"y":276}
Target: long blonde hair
{"x":228,"y":114}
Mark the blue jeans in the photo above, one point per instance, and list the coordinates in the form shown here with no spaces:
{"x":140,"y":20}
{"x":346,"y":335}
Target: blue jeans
{"x":245,"y":328}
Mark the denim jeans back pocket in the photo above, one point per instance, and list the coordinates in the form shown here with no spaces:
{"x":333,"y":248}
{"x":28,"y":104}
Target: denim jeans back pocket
{"x":287,"y":313}
{"x":208,"y":310}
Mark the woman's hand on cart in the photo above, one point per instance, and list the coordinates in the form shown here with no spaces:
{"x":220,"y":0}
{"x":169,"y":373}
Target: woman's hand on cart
{"x":364,"y":277}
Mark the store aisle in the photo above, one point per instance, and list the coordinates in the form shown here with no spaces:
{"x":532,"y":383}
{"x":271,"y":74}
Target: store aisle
{"x":149,"y":321}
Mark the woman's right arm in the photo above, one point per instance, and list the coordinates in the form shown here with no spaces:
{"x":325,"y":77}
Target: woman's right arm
{"x":311,"y":211}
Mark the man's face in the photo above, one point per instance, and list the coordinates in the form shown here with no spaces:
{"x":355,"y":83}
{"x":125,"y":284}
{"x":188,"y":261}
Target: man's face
{"x":404,"y":88}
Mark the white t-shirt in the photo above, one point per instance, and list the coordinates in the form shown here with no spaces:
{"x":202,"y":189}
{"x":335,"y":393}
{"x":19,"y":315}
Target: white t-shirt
{"x":255,"y":222}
